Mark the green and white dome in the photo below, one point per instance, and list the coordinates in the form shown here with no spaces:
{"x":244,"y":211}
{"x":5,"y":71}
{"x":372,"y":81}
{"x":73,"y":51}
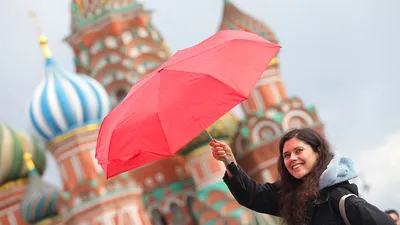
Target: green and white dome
{"x":12,"y":146}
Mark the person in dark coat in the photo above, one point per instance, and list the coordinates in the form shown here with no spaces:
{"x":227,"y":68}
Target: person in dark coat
{"x":314,"y":185}
{"x":394,"y":214}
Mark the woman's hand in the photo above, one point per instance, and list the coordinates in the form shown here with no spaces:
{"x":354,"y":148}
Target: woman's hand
{"x":222,"y":152}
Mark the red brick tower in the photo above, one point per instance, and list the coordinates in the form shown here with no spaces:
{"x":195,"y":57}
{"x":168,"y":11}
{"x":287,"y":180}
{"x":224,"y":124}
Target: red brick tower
{"x":269,"y":91}
{"x":115,"y":42}
{"x":268,"y":111}
{"x":66,"y":110}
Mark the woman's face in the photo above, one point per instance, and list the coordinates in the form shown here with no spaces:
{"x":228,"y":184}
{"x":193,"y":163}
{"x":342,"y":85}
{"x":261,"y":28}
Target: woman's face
{"x":299,"y":158}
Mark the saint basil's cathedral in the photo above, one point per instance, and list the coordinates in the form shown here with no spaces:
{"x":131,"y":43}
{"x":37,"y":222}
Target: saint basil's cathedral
{"x":116,"y":44}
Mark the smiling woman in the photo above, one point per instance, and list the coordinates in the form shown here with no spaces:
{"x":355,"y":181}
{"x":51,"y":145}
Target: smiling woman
{"x":313,"y":188}
{"x":305,"y":156}
{"x":298,"y":157}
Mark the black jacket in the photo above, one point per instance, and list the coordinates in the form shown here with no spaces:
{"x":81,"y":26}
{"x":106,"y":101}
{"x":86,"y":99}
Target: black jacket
{"x":263,"y":198}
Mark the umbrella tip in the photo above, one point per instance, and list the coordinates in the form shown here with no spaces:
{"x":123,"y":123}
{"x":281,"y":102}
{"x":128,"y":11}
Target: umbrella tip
{"x":160,"y":69}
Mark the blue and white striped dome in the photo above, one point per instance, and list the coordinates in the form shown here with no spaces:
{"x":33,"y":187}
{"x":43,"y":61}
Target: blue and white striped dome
{"x":64,"y":101}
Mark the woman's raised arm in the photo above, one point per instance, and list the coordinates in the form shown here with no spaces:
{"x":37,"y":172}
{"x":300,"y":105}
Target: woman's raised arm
{"x":261,"y":198}
{"x":249,"y":193}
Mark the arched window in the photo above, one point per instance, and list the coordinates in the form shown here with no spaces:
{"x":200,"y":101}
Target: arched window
{"x":158,"y":218}
{"x":177,"y":215}
{"x":189,"y":206}
{"x":120,"y":95}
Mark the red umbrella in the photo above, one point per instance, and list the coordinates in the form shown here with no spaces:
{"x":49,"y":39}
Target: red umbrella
{"x":172,"y":105}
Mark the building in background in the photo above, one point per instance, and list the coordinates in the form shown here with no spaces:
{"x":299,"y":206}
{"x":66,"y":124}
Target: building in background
{"x":269,"y":112}
{"x":116,"y":44}
{"x":14,"y":181}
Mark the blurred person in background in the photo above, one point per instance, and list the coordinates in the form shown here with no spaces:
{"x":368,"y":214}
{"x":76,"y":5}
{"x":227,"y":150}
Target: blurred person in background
{"x":394,"y":214}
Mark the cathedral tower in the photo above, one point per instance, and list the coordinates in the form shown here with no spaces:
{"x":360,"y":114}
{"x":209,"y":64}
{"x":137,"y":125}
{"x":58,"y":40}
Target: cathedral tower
{"x":13,"y":174}
{"x":40,"y":203}
{"x":66,"y":111}
{"x":115,"y":43}
{"x":269,"y":112}
{"x":269,"y":91}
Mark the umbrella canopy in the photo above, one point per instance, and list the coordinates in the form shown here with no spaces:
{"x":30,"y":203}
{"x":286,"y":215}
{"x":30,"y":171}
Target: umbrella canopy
{"x":173,"y":104}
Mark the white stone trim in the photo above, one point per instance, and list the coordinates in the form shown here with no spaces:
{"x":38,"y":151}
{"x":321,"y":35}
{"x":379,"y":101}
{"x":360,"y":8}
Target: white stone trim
{"x":296,"y":113}
{"x":255,"y":137}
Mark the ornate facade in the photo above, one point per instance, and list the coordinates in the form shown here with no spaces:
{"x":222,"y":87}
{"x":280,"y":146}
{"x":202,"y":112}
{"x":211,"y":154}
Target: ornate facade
{"x":14,"y":181}
{"x":116,"y":44}
{"x":269,"y":112}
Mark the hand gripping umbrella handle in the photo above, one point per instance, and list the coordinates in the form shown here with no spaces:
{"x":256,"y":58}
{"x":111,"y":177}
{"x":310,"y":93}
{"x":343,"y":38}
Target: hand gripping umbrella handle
{"x":225,"y":159}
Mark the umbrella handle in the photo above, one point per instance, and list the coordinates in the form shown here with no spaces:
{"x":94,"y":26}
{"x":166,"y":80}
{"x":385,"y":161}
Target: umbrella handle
{"x":225,"y":159}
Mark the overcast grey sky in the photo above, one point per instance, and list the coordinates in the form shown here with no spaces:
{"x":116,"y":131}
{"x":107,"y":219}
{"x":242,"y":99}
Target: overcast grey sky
{"x":340,"y":55}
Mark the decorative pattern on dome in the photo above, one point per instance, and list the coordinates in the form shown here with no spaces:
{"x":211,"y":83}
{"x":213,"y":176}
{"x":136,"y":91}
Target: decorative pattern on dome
{"x":85,"y":12}
{"x":120,"y":58}
{"x":12,"y":146}
{"x":225,"y":127}
{"x":40,"y":201}
{"x":125,"y":54}
{"x":234,"y":19}
{"x":64,"y":101}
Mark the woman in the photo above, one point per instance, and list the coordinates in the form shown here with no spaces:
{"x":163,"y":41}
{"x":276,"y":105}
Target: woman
{"x":313,"y":183}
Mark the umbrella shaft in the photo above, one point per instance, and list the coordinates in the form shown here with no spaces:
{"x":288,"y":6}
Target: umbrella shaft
{"x":209,"y":135}
{"x":226,"y":161}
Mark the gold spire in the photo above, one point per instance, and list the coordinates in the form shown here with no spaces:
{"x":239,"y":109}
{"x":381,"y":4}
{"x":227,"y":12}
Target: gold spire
{"x":28,"y":161}
{"x":42,"y":38}
{"x":79,"y":5}
{"x":166,"y":49}
{"x":274,"y":62}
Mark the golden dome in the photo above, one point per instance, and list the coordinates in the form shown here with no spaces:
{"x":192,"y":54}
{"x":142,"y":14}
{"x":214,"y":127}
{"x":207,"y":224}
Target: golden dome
{"x":224,"y":128}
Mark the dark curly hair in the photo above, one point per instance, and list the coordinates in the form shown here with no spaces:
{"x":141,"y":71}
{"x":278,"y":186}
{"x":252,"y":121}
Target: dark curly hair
{"x":296,"y":193}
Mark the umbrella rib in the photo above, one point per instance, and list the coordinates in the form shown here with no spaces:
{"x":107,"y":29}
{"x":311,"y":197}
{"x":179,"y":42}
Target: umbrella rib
{"x":158,"y":116}
{"x":235,"y":90}
{"x":202,"y":52}
{"x":206,"y":74}
{"x":165,"y":136}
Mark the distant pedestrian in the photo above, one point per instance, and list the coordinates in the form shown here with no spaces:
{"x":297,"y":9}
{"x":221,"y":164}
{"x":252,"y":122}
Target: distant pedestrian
{"x":394,"y":214}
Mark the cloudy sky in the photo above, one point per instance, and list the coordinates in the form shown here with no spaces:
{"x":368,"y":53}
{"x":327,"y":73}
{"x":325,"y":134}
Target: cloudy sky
{"x":341,"y":56}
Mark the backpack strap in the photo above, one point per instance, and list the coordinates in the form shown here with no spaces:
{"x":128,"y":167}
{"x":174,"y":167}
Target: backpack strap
{"x":342,"y":208}
{"x":339,"y":194}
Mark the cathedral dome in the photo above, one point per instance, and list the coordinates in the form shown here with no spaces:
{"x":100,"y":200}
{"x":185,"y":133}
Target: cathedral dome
{"x":64,"y":101}
{"x":41,"y":200}
{"x":12,"y":146}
